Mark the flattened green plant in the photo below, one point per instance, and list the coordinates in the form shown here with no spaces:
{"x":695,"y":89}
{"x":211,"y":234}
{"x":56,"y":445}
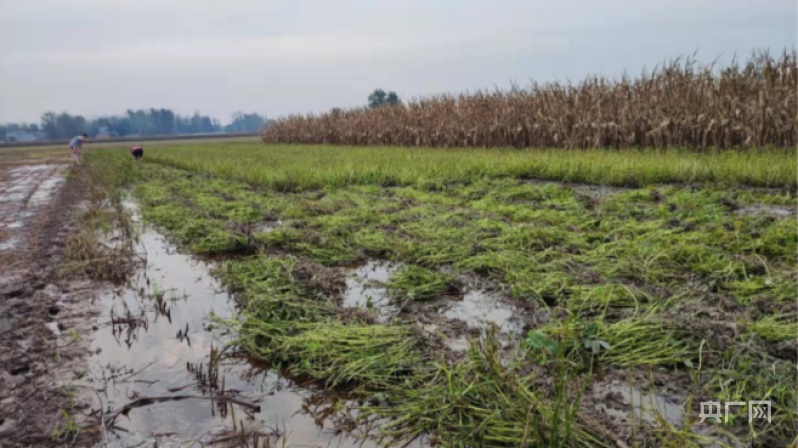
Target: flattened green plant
{"x":416,"y":283}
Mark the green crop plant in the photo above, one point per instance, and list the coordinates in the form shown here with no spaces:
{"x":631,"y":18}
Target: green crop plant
{"x":416,"y":283}
{"x":684,"y":260}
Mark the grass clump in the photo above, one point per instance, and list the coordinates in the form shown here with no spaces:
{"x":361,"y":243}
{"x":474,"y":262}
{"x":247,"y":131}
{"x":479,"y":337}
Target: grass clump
{"x":629,"y":342}
{"x":368,"y":356}
{"x":101,"y":247}
{"x":416,"y":283}
{"x":776,"y":328}
{"x":645,"y":342}
{"x":482,"y":402}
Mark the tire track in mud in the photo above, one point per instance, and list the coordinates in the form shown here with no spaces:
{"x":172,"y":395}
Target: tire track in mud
{"x":25,"y":192}
{"x":41,"y":316}
{"x":36,"y":188}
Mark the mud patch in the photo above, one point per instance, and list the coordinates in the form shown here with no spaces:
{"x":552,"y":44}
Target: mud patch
{"x":365,"y":289}
{"x":452,"y":323}
{"x":596,"y":192}
{"x":480,"y":309}
{"x":267,"y":226}
{"x":25,"y":191}
{"x":42,"y":354}
{"x":766,"y":210}
{"x":10,"y":243}
{"x":619,"y":399}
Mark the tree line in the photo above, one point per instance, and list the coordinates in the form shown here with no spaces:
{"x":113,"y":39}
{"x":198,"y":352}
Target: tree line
{"x":153,"y":122}
{"x":143,"y":122}
{"x":379,"y":98}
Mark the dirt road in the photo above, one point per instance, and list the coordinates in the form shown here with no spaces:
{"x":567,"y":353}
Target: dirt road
{"x":41,"y":317}
{"x":26,"y":192}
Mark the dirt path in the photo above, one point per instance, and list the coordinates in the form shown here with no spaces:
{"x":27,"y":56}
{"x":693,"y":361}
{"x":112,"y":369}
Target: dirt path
{"x":41,"y":318}
{"x":26,"y":192}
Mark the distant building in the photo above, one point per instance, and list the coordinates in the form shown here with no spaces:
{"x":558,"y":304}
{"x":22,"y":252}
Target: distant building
{"x":24,"y":136}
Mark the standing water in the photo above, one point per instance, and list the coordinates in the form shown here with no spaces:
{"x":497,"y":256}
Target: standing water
{"x":154,"y":341}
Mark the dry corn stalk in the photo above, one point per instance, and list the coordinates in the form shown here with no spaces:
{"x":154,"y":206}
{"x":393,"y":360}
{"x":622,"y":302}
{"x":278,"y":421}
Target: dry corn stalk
{"x":680,"y":104}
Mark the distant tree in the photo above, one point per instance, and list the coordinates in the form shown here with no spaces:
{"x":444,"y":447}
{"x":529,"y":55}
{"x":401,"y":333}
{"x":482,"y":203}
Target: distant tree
{"x":114,"y":126}
{"x":242,"y":122}
{"x":207,"y":125}
{"x":196,"y":122}
{"x":50,"y":124}
{"x":2,"y":132}
{"x":141,"y":122}
{"x":144,"y":122}
{"x":71,"y":125}
{"x":61,"y":125}
{"x":393,"y":99}
{"x":164,"y":120}
{"x":379,"y":98}
{"x":122,"y":126}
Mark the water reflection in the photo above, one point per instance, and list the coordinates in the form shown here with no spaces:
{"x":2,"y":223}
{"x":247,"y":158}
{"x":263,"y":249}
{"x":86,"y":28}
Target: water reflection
{"x":153,"y":341}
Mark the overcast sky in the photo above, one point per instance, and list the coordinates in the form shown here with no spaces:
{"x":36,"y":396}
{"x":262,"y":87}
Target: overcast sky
{"x":278,"y":57}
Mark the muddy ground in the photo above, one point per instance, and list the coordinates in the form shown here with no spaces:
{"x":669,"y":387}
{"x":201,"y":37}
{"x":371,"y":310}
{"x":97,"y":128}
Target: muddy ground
{"x":90,"y":363}
{"x":75,"y":350}
{"x":39,"y":309}
{"x":85,"y":362}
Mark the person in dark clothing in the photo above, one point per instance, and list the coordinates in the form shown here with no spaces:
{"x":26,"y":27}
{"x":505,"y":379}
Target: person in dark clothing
{"x":137,"y":151}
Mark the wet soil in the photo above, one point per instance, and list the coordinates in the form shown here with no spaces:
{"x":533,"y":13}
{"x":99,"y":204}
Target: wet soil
{"x":159,"y":343}
{"x":767,"y":210}
{"x":25,"y":193}
{"x":365,"y":289}
{"x":74,"y":352}
{"x":452,"y":319}
{"x":42,"y":316}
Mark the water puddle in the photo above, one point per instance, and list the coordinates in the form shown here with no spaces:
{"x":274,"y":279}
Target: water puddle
{"x":12,"y":197}
{"x":596,"y":192}
{"x":154,"y":341}
{"x":480,"y":309}
{"x":267,"y":226}
{"x":10,"y":243}
{"x":457,"y":345}
{"x":46,"y":189}
{"x":617,"y":399}
{"x":27,"y":169}
{"x":767,"y":210}
{"x":365,"y":288}
{"x":647,"y":406}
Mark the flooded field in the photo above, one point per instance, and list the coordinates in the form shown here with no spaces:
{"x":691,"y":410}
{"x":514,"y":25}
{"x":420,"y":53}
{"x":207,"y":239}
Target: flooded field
{"x":156,"y":339}
{"x":186,"y":308}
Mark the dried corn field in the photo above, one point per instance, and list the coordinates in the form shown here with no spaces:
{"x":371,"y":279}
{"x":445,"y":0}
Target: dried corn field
{"x":682,"y":103}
